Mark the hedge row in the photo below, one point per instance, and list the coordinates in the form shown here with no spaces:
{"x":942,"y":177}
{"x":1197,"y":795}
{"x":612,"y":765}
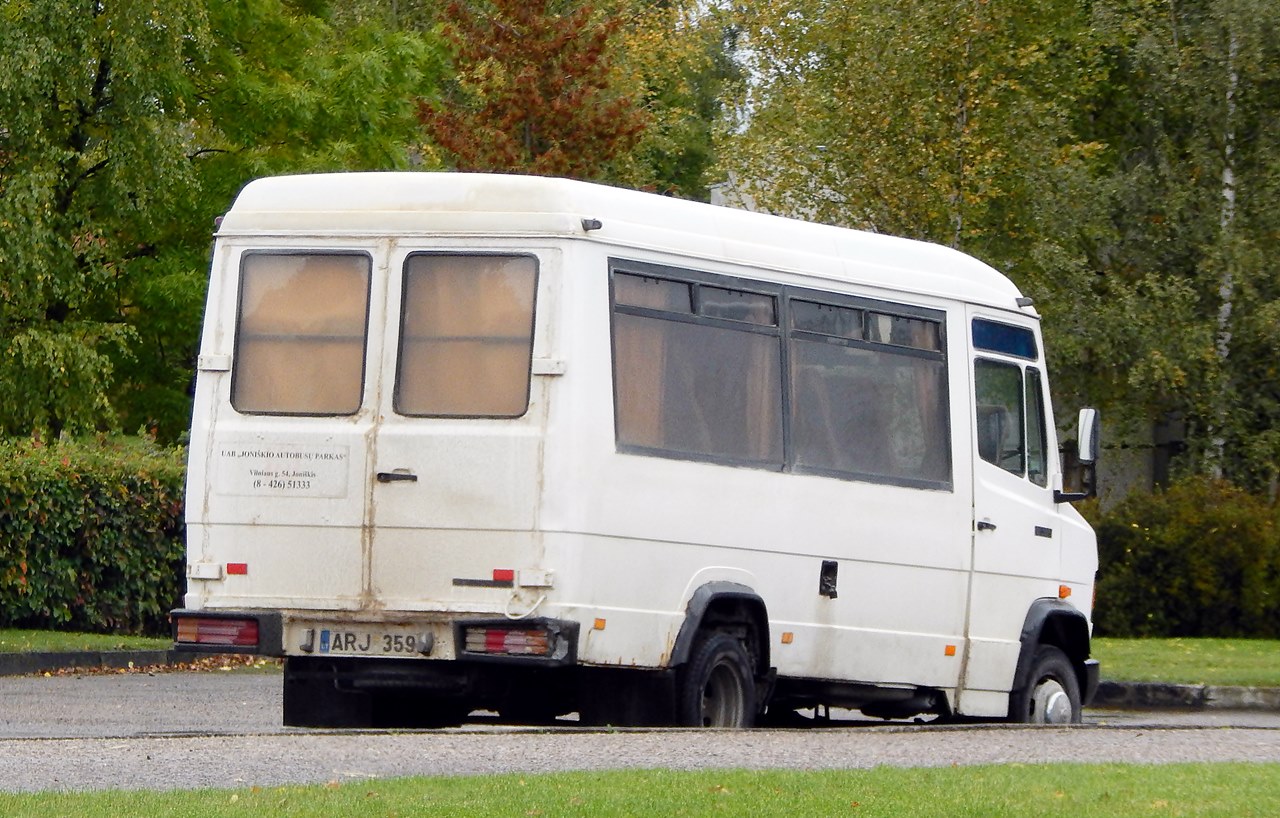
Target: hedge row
{"x":91,"y":535}
{"x":1201,"y":558}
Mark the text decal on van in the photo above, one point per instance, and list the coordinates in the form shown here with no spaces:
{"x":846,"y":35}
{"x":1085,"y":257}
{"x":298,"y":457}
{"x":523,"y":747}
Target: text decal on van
{"x":252,"y":469}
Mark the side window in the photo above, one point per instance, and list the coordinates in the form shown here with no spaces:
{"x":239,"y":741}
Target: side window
{"x":1011,"y":419}
{"x":698,"y":370}
{"x":1001,"y":415}
{"x":754,"y":373}
{"x":300,"y":334}
{"x":466,"y":336}
{"x":869,"y":394}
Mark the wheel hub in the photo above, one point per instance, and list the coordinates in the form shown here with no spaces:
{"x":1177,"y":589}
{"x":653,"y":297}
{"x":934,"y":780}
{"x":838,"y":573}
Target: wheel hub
{"x":1051,"y":704}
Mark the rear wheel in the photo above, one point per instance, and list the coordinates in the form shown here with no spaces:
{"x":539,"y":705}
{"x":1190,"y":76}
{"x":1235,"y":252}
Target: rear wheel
{"x":718,"y":687}
{"x":1052,"y":692}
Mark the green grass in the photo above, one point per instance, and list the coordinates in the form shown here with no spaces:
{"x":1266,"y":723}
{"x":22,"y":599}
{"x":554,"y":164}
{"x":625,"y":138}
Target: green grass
{"x":18,"y":641}
{"x":1250,"y":662}
{"x":1081,"y":791}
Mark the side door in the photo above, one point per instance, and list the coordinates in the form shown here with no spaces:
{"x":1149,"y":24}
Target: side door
{"x":1017,"y":529}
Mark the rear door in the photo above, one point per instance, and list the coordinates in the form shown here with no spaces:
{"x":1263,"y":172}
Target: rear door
{"x":455,"y":460}
{"x":285,"y":490}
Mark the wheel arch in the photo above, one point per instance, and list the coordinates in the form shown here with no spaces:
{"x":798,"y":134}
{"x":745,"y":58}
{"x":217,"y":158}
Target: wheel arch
{"x":719,"y":605}
{"x":1054,"y":622}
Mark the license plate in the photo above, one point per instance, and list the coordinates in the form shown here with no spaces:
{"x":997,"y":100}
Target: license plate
{"x":344,"y":642}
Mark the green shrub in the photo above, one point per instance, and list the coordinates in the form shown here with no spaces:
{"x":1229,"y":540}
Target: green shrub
{"x":1201,"y":558}
{"x":91,"y":535}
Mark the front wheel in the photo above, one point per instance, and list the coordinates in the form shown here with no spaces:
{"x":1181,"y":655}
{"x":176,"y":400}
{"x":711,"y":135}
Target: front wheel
{"x":718,"y":687}
{"x":1052,"y":692}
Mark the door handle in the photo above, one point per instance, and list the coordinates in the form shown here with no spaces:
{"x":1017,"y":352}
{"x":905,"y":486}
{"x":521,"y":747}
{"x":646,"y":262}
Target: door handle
{"x":986,"y":525}
{"x":397,"y":477}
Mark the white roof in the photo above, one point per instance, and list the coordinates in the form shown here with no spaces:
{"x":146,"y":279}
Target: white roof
{"x":461,"y":204}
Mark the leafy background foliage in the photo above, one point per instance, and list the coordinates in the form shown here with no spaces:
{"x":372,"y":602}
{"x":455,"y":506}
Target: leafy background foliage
{"x":1201,"y":558}
{"x":91,"y":535}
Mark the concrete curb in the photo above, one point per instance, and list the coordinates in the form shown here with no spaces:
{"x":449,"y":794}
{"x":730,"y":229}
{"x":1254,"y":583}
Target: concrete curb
{"x":1162,"y":696}
{"x":22,"y":664}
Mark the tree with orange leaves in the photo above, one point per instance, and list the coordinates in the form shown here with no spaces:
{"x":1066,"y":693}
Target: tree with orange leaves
{"x":533,"y":92}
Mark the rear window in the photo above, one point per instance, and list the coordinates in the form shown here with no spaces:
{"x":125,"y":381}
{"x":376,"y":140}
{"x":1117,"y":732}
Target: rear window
{"x":466,"y":339}
{"x":300,"y":334}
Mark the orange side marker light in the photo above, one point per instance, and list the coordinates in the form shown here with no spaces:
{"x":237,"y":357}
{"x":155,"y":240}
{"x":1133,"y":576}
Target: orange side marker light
{"x":1064,"y":591}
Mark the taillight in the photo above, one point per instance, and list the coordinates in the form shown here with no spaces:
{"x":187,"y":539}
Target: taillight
{"x":217,"y":631}
{"x":495,"y":641}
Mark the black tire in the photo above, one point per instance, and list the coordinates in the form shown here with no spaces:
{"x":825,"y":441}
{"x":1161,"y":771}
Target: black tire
{"x":717,"y":687}
{"x":1052,"y":692}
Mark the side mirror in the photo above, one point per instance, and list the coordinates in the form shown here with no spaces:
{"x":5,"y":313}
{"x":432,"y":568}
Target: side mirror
{"x":1088,"y":435}
{"x":1080,"y":462}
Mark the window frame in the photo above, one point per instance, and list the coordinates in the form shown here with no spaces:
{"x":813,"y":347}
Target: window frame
{"x":249,"y":253}
{"x":400,"y":331}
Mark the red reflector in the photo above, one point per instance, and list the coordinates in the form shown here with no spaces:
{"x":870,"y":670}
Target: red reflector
{"x":241,"y":568}
{"x":232,"y":632}
{"x":503,"y":575}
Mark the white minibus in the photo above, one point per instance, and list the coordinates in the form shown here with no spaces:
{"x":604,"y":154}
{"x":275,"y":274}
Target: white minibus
{"x":538,"y":447}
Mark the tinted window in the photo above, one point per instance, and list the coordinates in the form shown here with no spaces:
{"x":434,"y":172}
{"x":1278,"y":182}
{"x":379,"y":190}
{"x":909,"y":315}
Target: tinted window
{"x":654,"y":293}
{"x":736,"y":305}
{"x":1010,"y":340}
{"x":865,"y":396}
{"x":869,"y":412}
{"x":695,"y":389}
{"x":826,"y":319}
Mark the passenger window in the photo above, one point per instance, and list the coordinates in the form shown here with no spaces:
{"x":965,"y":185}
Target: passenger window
{"x":466,"y":338}
{"x":1001,"y":426}
{"x":736,"y":305}
{"x":855,"y":402}
{"x":300,"y":335}
{"x":869,"y":412}
{"x":698,"y":389}
{"x":652,"y":293}
{"x":904,"y":332}
{"x":826,"y":319}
